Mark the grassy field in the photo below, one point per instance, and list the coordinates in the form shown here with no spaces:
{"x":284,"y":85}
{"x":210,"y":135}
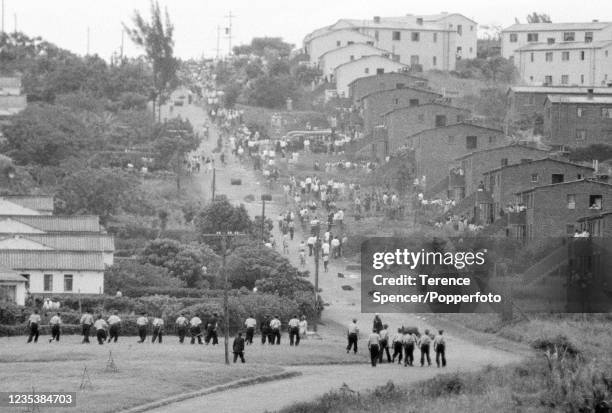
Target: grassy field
{"x":147,"y":372}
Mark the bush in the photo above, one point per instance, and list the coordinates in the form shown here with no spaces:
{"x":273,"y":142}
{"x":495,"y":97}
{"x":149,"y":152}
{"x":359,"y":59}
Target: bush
{"x":559,"y":345}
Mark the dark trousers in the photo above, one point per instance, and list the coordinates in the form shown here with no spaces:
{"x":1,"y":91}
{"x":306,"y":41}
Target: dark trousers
{"x":86,"y":328}
{"x":397,"y":351}
{"x":250,"y":332}
{"x":384,"y":347}
{"x":264,"y":336}
{"x":182,"y":331}
{"x":239,"y":354}
{"x":409,"y":354}
{"x":352,"y":342}
{"x":195,"y":333}
{"x":211,"y":335}
{"x":441,"y":355}
{"x":101,"y":336}
{"x":113,"y":332}
{"x":374,"y":349}
{"x":33,"y":333}
{"x":157,"y":334}
{"x":294,"y":336}
{"x":425,"y":353}
{"x":142,"y":333}
{"x":55,"y":332}
{"x":276,"y":336}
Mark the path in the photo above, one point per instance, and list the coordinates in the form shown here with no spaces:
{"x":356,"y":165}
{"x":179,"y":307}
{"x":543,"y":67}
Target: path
{"x":463,"y":355}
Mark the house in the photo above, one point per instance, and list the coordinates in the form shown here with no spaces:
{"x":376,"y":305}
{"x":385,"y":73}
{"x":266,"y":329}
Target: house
{"x":349,"y":71}
{"x":375,"y":104}
{"x":12,"y":287}
{"x":362,"y":86}
{"x":520,"y":35}
{"x":11,"y":99}
{"x":43,"y":204}
{"x":553,"y":210}
{"x":471,"y":167}
{"x":575,"y":121}
{"x":330,"y":60}
{"x":331,"y":38}
{"x":10,"y":85}
{"x":527,"y":102}
{"x":424,"y":41}
{"x":40,"y":224}
{"x":566,"y":63}
{"x":407,"y":121}
{"x":435,"y":149}
{"x":504,"y":182}
{"x":598,"y":226}
{"x":101,"y":243}
{"x":57,"y":272}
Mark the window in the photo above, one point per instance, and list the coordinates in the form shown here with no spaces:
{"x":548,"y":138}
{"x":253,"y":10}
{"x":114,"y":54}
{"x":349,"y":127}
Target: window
{"x":8,"y":293}
{"x":349,"y":43}
{"x":556,"y":178}
{"x":399,"y":85}
{"x":338,"y":43}
{"x":549,"y":56}
{"x":565,"y":56}
{"x":513,"y":37}
{"x":588,"y":37}
{"x":366,"y":70}
{"x":380,"y":71}
{"x":352,"y":57}
{"x":48,"y":282}
{"x":582,"y":79}
{"x":571,"y":201}
{"x":580,"y":112}
{"x":531,"y":56}
{"x":569,"y":229}
{"x":580,"y":135}
{"x":564,"y":79}
{"x":504,"y":162}
{"x":435,"y":60}
{"x":440,"y":121}
{"x":415,"y":36}
{"x":471,"y":142}
{"x":451,"y":140}
{"x":531,"y":100}
{"x":595,"y":201}
{"x":569,"y":36}
{"x":471,"y":28}
{"x":435,"y":37}
{"x":27,"y":277}
{"x":397,"y":36}
{"x":548,"y":80}
{"x":534,"y":178}
{"x":550,"y":40}
{"x":413,"y":102}
{"x":606,"y":113}
{"x":491,"y":139}
{"x":67,"y":282}
{"x":396,"y":101}
{"x":414,"y":59}
{"x":421,"y":118}
{"x":582,"y":55}
{"x":460,"y":29}
{"x":532,"y":37}
{"x":460,"y":118}
{"x":395,"y":57}
{"x":376,"y":35}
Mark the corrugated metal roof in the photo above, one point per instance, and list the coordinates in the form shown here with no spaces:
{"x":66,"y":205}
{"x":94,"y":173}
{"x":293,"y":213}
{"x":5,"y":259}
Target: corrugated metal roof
{"x":354,"y":46}
{"x":422,"y":105}
{"x":561,"y":90}
{"x":376,"y":92}
{"x":514,"y":165}
{"x":578,"y":181}
{"x":389,"y":74}
{"x":538,"y":27}
{"x":78,"y":242}
{"x":387,"y":60}
{"x":37,"y":202}
{"x":584,"y":100}
{"x":52,"y":223}
{"x":512,"y":145}
{"x":52,"y":260}
{"x":6,"y":274}
{"x":564,"y":46}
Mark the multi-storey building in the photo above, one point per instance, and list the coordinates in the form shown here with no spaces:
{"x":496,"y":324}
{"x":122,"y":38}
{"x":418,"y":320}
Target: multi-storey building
{"x":362,"y":86}
{"x":368,"y":65}
{"x":330,"y":60}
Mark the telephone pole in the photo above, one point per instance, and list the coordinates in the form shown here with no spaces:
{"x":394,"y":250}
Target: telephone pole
{"x":87,"y":40}
{"x":218,"y":42}
{"x":228,"y":31}
{"x":2,"y":16}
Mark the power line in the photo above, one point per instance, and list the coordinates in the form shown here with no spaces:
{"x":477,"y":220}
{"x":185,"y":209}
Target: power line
{"x":228,"y":31}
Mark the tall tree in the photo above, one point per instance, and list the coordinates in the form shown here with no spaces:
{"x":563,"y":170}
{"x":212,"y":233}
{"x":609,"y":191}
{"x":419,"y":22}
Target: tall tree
{"x":155,"y":37}
{"x":538,"y":18}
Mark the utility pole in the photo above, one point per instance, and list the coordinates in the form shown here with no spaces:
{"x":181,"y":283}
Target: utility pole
{"x":87,"y":40}
{"x":218,"y":42}
{"x":264,"y":198}
{"x":121,"y":49}
{"x":15,"y":18}
{"x":2,"y":16}
{"x":228,"y":31}
{"x":317,"y":247}
{"x":214,"y":183}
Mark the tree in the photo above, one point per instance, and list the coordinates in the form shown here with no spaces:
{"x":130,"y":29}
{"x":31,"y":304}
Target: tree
{"x":251,"y":262}
{"x":221,"y":216}
{"x":538,"y":18}
{"x":272,"y":91}
{"x":130,"y":275}
{"x":156,"y":39}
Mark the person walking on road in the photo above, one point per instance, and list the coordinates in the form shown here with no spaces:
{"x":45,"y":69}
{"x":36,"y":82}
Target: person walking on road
{"x":55,"y":324}
{"x":374,"y":346}
{"x":33,"y":323}
{"x":250,"y":324}
{"x":142,"y":322}
{"x":238,"y":348}
{"x":294,"y":331}
{"x":194,"y":329}
{"x":384,"y":344}
{"x":439,"y":345}
{"x":353,"y":336}
{"x":181,"y":327}
{"x":275,"y":326}
{"x":86,"y":323}
{"x":424,"y":344}
{"x":114,"y":325}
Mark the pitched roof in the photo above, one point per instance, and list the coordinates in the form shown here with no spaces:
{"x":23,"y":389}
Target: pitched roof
{"x":12,"y":208}
{"x":570,"y":90}
{"x":370,"y":57}
{"x":70,"y":242}
{"x":538,"y":27}
{"x":564,"y":46}
{"x":455,"y":125}
{"x":583,"y":100}
{"x":36,"y":202}
{"x":54,"y":223}
{"x":354,"y":45}
{"x":376,"y":92}
{"x":439,"y":16}
{"x":19,"y":243}
{"x":388,"y":74}
{"x":6,"y":274}
{"x":395,"y":23}
{"x":425,"y":104}
{"x":514,"y":165}
{"x":512,"y":145}
{"x":52,"y":260}
{"x":592,"y":217}
{"x":330,"y":29}
{"x":566,"y":183}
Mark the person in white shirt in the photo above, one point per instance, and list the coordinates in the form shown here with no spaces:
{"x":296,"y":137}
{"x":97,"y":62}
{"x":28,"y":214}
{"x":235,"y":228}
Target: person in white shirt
{"x":294,"y":331}
{"x":100,"y":325}
{"x":384,"y":344}
{"x":114,"y":325}
{"x":33,"y":323}
{"x":353,"y":336}
{"x":250,"y":325}
{"x":275,"y":326}
{"x":303,"y":327}
{"x":142,"y":322}
{"x":439,"y":345}
{"x":335,"y":246}
{"x":195,"y":329}
{"x":55,"y":323}
{"x":374,"y":347}
{"x":158,"y":329}
{"x":311,"y":243}
{"x":424,"y":344}
{"x":409,"y":341}
{"x":181,"y":327}
{"x":398,"y":347}
{"x":86,"y":323}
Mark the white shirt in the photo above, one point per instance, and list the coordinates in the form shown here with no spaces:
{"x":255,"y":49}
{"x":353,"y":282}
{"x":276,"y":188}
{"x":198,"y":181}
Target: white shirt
{"x":325,"y":248}
{"x":158,"y":322}
{"x":195,"y":321}
{"x":275,"y":323}
{"x":353,"y":329}
{"x":142,"y":321}
{"x":250,"y":323}
{"x":294,"y":322}
{"x":181,"y":321}
{"x":55,"y":320}
{"x":100,"y":324}
{"x":113,"y":320}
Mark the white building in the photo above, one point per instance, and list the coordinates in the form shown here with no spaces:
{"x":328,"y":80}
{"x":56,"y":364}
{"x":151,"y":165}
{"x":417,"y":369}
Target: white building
{"x":430,"y":41}
{"x":519,"y":35}
{"x":366,"y":66}
{"x":330,"y":60}
{"x":566,"y":63}
{"x":12,"y":287}
{"x":12,"y":101}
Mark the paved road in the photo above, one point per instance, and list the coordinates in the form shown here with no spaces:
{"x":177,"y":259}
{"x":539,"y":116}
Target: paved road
{"x":344,"y":305}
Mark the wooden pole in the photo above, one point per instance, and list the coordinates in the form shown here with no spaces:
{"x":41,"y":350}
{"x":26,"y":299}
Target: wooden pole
{"x":225,"y":299}
{"x":263,"y":218}
{"x":214,"y":177}
{"x":316,"y":286}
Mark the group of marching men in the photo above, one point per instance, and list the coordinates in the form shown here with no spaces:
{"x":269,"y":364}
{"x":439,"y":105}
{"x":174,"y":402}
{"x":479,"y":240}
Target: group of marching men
{"x":403,"y":344}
